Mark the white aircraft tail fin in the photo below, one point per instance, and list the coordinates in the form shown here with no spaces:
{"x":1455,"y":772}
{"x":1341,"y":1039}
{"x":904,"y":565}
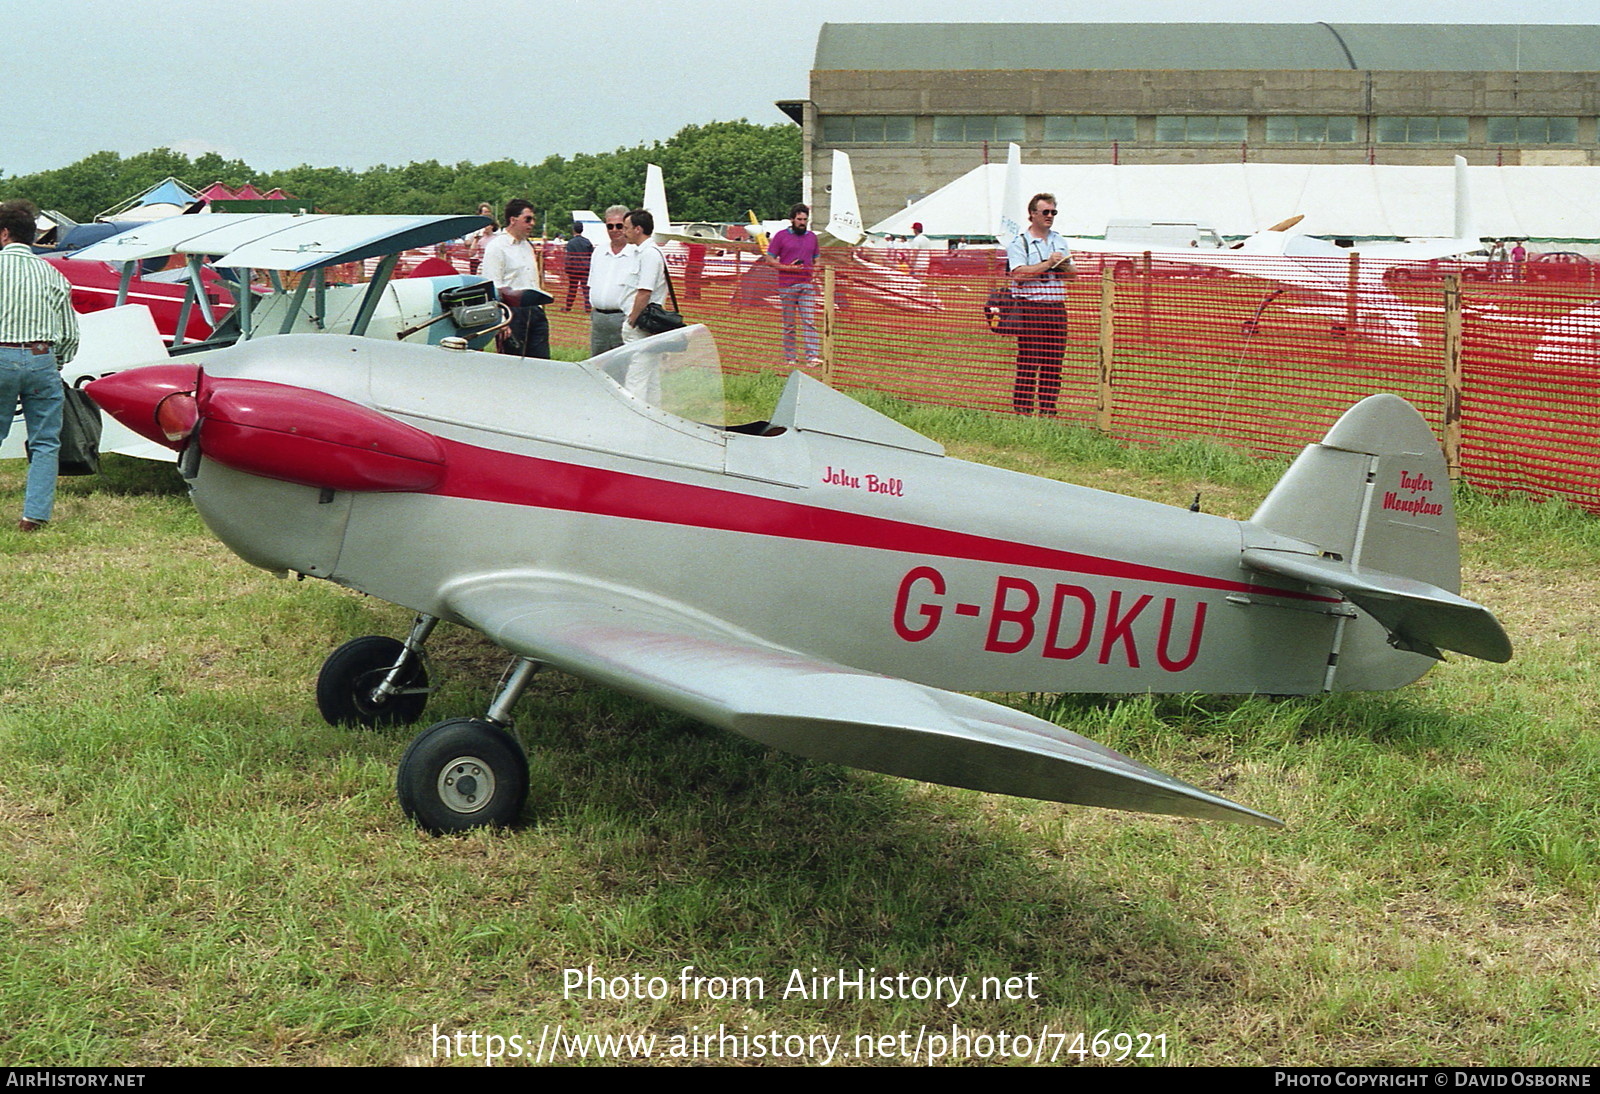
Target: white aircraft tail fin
{"x":1373,"y":499}
{"x":594,"y":229}
{"x":1466,"y":222}
{"x":844,"y":210}
{"x":655,"y":198}
{"x":1012,"y":209}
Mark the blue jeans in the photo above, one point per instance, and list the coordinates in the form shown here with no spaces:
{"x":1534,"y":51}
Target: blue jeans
{"x":33,"y":380}
{"x":799,"y":308}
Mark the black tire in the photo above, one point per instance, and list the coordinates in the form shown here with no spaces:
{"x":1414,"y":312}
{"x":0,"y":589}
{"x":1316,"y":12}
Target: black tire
{"x":463,"y":774}
{"x":344,"y":686}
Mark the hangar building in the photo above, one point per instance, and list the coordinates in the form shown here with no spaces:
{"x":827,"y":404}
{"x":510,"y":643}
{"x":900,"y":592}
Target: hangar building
{"x":919,"y":104}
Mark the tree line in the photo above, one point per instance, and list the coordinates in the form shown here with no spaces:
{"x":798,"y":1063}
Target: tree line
{"x":717,"y":171}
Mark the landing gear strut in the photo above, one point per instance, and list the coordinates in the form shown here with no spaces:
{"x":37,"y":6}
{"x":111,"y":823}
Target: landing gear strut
{"x":469,"y":772}
{"x":1251,"y":325}
{"x":376,"y":680}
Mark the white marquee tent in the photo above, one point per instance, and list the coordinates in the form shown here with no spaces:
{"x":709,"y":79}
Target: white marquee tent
{"x":1359,"y":201}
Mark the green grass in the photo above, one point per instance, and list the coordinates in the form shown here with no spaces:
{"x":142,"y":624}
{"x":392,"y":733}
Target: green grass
{"x":196,"y":869}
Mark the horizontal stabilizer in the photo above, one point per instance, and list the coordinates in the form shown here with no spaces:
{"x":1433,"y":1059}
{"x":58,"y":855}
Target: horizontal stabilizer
{"x":815,"y":708}
{"x":1419,"y":617}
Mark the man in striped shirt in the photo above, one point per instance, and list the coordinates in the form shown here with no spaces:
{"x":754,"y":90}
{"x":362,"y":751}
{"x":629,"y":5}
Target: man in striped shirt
{"x":38,"y":334}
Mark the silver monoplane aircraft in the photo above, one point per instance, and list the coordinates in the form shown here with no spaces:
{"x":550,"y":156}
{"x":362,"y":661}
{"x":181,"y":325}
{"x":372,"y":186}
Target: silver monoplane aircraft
{"x":826,"y":581}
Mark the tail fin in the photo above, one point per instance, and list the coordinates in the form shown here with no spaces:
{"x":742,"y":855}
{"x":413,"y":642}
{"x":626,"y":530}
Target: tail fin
{"x":1012,"y":213}
{"x":655,"y":198}
{"x":1373,"y":501}
{"x":1466,"y":223}
{"x":844,"y":210}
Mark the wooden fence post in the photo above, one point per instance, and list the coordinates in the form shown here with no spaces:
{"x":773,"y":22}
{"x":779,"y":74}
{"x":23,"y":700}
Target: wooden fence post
{"x":828,"y":315}
{"x":1146,"y":291}
{"x":1108,"y":295}
{"x":1452,"y":375}
{"x":1352,"y":295}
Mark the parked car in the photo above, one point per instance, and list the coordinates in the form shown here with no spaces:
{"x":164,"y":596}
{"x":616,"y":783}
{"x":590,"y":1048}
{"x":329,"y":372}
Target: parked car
{"x":1467,"y":267}
{"x":979,"y":261}
{"x":1560,"y":266}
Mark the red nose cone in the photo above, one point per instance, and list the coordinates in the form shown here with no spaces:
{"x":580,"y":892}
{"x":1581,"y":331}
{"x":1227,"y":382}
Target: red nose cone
{"x":301,"y":435}
{"x":131,"y":397}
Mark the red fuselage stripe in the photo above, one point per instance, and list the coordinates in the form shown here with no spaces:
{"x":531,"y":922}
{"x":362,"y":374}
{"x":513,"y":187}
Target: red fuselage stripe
{"x":486,"y":475}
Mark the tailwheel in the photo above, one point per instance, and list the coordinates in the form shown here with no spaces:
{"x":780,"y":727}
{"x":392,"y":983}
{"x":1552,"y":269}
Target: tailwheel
{"x":351,"y":687}
{"x":461,"y":774}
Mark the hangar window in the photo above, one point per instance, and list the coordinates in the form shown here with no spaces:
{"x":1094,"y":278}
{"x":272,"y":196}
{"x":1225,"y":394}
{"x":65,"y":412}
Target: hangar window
{"x":867,"y":128}
{"x":1199,"y":127}
{"x":1091,"y":127}
{"x":1451,"y":130}
{"x":977,"y":127}
{"x":1533,"y":130}
{"x":1310,"y":128}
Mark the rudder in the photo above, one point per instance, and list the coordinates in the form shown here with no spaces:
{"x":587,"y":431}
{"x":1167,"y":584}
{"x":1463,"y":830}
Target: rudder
{"x":1374,"y":496}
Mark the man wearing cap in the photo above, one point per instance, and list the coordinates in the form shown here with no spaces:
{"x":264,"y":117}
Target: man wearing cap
{"x":922,"y":245}
{"x":38,"y":334}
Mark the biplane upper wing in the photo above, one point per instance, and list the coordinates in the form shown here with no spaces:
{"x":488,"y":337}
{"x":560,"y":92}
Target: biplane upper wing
{"x":826,"y":711}
{"x":280,"y":241}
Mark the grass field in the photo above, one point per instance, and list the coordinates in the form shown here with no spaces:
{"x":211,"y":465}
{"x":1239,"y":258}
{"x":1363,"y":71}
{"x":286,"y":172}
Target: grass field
{"x":195,"y":869}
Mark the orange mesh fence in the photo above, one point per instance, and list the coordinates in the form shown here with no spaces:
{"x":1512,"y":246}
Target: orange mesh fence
{"x":1254,"y":359}
{"x":1531,"y":391}
{"x":1264,"y":356}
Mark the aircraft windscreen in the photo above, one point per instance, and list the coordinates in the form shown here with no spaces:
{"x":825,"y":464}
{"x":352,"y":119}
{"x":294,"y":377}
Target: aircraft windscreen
{"x":678,"y":371}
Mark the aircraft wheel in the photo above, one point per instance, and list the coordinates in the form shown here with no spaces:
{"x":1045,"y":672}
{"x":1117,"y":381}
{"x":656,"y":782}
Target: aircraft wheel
{"x":351,"y":672}
{"x":461,"y":774}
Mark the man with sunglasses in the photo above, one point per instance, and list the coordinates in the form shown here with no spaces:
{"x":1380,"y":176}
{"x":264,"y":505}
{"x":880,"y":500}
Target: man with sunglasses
{"x":1040,"y":268}
{"x":508,"y":262}
{"x":611,"y":270}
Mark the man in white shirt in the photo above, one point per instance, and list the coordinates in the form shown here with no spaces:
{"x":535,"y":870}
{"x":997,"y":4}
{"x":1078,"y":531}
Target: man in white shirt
{"x":508,"y":262}
{"x":611,"y":269}
{"x":1040,"y":267}
{"x":647,"y":286}
{"x":649,"y":282}
{"x":921,"y":259}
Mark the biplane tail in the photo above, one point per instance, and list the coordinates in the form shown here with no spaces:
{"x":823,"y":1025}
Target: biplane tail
{"x":1373,"y":499}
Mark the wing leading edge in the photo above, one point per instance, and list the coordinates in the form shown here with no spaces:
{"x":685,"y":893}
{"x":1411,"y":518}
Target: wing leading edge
{"x":815,"y":708}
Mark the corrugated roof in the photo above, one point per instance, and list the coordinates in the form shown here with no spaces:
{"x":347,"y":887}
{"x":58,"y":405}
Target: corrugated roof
{"x":1381,"y":47}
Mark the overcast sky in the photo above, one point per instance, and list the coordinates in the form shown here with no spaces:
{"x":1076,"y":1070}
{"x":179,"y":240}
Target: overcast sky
{"x":334,"y":83}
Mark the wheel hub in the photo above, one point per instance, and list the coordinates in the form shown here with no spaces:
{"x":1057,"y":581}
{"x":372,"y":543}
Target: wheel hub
{"x":366,"y":696}
{"x":466,"y":784}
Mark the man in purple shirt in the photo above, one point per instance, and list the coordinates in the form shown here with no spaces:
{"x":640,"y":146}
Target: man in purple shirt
{"x":793,"y":253}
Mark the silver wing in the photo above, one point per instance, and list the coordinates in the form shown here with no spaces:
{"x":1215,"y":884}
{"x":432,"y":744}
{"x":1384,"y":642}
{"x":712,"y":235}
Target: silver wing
{"x":826,"y":711}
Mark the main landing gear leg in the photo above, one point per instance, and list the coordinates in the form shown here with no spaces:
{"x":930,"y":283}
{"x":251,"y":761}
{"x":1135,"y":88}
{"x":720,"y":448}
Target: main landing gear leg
{"x":375,"y":680}
{"x":469,"y":772}
{"x":1251,"y":325}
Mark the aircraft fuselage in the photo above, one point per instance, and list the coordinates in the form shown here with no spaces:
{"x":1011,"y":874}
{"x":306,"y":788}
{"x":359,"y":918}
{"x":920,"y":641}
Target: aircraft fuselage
{"x":888,"y":557}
